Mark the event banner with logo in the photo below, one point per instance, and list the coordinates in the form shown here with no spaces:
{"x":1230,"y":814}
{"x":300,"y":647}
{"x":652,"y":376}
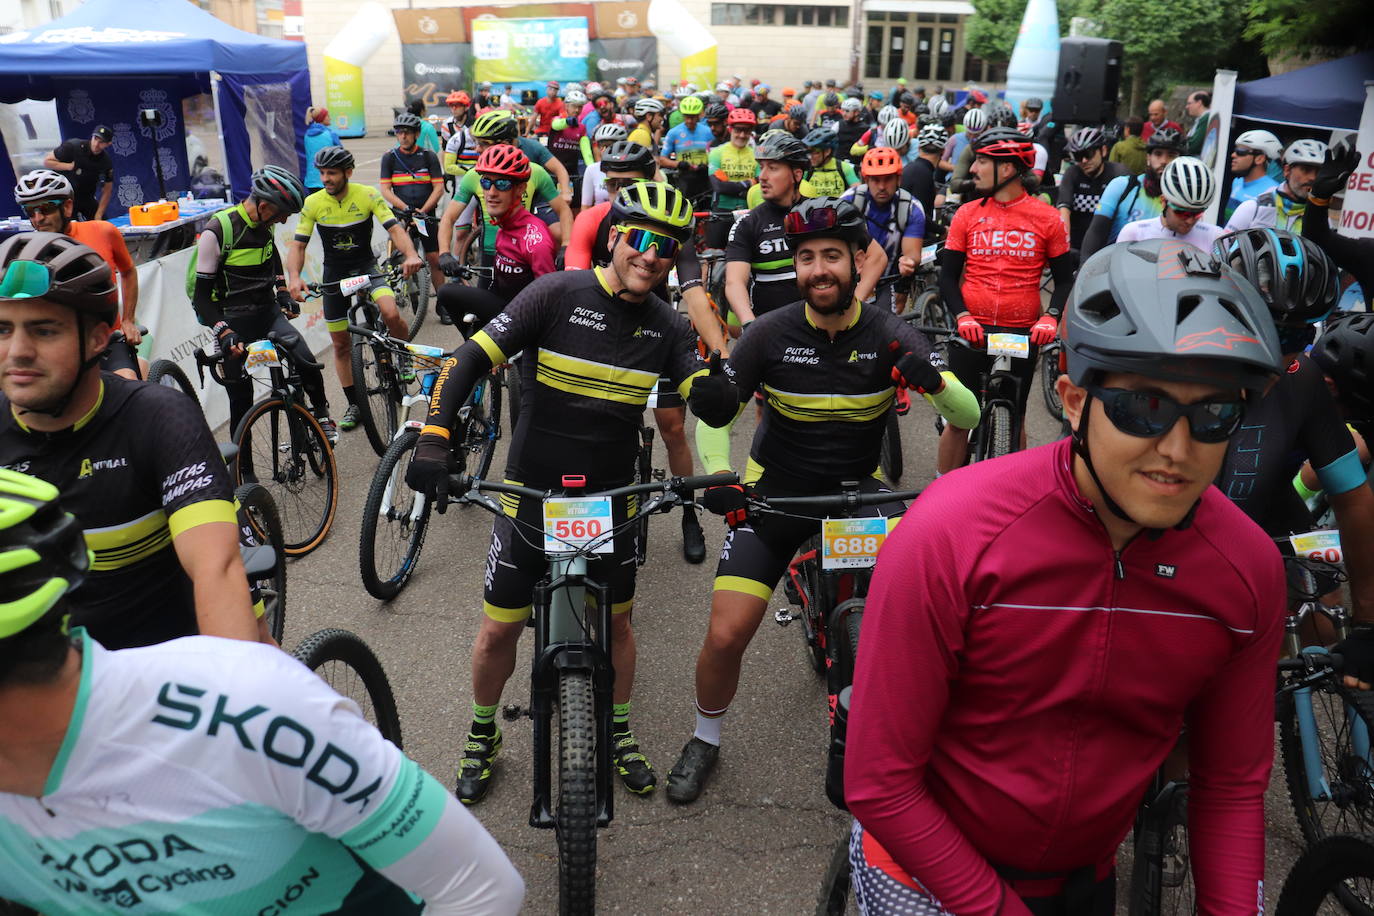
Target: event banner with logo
{"x":431,"y":71}
{"x":612,"y":58}
{"x":527,"y":51}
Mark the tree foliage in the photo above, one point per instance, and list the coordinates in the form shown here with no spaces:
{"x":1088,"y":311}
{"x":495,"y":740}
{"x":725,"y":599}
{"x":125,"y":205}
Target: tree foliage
{"x":991,"y":34}
{"x":1304,"y":28}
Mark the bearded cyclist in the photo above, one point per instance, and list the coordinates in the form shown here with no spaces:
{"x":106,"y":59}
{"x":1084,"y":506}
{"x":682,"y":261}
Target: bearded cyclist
{"x":991,"y":266}
{"x":582,"y":415}
{"x":299,"y":794}
{"x":999,"y":777}
{"x":1283,"y":207}
{"x":828,"y":176}
{"x":1130,"y":198}
{"x":1187,"y":188}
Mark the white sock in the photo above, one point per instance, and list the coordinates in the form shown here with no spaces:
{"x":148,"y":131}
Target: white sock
{"x":708,"y":725}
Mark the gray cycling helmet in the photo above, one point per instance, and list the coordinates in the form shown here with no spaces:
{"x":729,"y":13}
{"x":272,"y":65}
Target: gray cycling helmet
{"x":71,"y":274}
{"x":406,"y":121}
{"x":1164,"y":309}
{"x":1085,"y":139}
{"x":333,"y":157}
{"x":278,"y":187}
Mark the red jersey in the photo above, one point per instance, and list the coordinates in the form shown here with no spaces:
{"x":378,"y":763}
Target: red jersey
{"x":1008,"y":246}
{"x":1019,"y":682}
{"x":524,"y":250}
{"x":546,"y":109}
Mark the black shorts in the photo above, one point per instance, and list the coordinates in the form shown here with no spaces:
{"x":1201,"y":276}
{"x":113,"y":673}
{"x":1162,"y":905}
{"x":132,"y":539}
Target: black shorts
{"x":757,"y":553}
{"x":336,"y":304}
{"x":120,"y":354}
{"x":516,"y":560}
{"x":969,"y":366}
{"x":458,"y":300}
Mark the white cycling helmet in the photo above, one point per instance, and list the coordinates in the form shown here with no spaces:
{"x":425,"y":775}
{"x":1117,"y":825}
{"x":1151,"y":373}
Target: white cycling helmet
{"x":1187,"y":184}
{"x":932,"y":136}
{"x":593,"y":88}
{"x":1305,"y":152}
{"x":1263,"y":141}
{"x":886,"y":113}
{"x":975,"y":120}
{"x":41,"y":185}
{"x":896,"y":134}
{"x":575,"y":97}
{"x":609,"y":133}
{"x":852,"y":105}
{"x":647,"y":106}
{"x":937,"y":105}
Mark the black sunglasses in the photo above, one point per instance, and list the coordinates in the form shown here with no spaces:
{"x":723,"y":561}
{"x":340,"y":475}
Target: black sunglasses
{"x":1149,"y":415}
{"x":1242,"y":151}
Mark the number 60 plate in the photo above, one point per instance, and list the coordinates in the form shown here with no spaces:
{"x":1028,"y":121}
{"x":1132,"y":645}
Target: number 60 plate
{"x":851,"y":543}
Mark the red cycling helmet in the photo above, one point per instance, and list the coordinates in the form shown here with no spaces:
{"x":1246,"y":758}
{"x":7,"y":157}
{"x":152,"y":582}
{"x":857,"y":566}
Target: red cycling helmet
{"x":742,"y":117}
{"x":458,"y":97}
{"x":1006,"y":143}
{"x":504,"y":161}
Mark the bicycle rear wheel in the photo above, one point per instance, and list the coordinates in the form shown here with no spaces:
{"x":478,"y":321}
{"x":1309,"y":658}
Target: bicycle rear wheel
{"x":350,"y":667}
{"x":378,"y":389}
{"x":575,"y":812}
{"x":1339,"y":866}
{"x":1344,"y":720}
{"x":260,"y":525}
{"x":395,"y":520}
{"x":282,"y":447}
{"x":836,"y":885}
{"x":890,"y":453}
{"x":166,"y":372}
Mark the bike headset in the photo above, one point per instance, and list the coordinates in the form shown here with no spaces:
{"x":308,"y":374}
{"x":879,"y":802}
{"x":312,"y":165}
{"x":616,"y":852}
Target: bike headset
{"x":828,"y":218}
{"x":1146,"y":308}
{"x":57,"y":268}
{"x":656,"y":205}
{"x":1005,"y":143}
{"x":1294,"y":277}
{"x":43,"y":556}
{"x":44,"y":186}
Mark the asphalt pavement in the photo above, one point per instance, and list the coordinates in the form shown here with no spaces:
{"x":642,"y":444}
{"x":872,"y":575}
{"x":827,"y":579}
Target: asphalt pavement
{"x":760,"y":837}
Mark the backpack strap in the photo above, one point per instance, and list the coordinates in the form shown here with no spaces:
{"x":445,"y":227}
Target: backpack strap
{"x":1131,"y":184}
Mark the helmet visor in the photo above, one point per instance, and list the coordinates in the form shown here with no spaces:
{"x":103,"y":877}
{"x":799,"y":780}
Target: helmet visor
{"x":25,"y":280}
{"x":820,"y":219}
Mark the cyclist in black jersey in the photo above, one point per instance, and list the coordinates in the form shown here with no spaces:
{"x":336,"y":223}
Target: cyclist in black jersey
{"x":759,"y":276}
{"x":413,"y":179}
{"x":1298,"y":419}
{"x":135,"y":461}
{"x":343,"y":212}
{"x":595,"y":344}
{"x":826,"y":369}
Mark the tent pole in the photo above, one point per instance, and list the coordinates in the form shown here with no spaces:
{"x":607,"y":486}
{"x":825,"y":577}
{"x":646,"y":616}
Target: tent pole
{"x":219,"y":129}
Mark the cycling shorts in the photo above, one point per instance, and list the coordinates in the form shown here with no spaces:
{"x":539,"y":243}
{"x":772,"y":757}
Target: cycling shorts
{"x":458,"y":300}
{"x":516,"y":560}
{"x":970,"y":365}
{"x":119,"y":354}
{"x":429,"y":239}
{"x":336,"y":305}
{"x":757,"y":553}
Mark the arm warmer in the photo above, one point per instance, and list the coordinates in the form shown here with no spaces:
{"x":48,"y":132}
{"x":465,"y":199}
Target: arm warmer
{"x":1061,"y":270}
{"x":951,"y":272}
{"x":956,"y":403}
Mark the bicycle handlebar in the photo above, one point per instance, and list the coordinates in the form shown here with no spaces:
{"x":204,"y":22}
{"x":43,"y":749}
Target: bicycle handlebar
{"x":464,"y":483}
{"x":846,"y":500}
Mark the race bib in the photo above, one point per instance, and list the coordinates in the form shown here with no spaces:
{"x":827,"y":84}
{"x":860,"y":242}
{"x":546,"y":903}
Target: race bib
{"x":350,"y":285}
{"x":1013,"y":345}
{"x":261,"y":353}
{"x":851,"y":543}
{"x":1318,"y":545}
{"x":426,"y":357}
{"x":576,"y":521}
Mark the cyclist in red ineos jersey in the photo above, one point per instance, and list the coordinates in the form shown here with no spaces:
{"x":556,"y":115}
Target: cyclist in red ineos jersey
{"x":1011,"y":701}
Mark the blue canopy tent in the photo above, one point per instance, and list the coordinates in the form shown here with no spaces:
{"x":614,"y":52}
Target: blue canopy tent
{"x":100,"y":70}
{"x":1325,"y":96}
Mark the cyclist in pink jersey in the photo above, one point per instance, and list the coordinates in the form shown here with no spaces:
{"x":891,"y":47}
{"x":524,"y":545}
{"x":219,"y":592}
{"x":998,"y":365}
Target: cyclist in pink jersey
{"x":1041,"y":627}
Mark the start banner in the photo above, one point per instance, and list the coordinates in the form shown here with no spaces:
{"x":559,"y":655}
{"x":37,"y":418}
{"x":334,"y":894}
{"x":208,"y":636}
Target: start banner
{"x":519,"y":51}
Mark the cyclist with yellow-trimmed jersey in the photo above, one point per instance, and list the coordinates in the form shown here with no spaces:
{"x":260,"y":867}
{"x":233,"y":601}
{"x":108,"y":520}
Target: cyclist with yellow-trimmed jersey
{"x":343,"y":212}
{"x":157,"y":508}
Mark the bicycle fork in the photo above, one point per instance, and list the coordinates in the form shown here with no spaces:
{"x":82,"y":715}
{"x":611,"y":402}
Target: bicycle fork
{"x":1318,"y":787}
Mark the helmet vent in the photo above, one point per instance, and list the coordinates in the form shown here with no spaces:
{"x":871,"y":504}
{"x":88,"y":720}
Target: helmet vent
{"x":1186,"y":306}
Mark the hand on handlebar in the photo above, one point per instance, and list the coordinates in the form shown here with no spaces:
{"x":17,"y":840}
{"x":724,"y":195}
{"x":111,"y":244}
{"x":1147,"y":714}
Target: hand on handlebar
{"x":1044,"y":330}
{"x":449,"y":263}
{"x":429,"y":469}
{"x":287,"y":304}
{"x":729,"y":500}
{"x":131,"y":332}
{"x":296,"y":289}
{"x":1357,"y":654}
{"x":229,"y":342}
{"x":969,"y":329}
{"x":412,"y":265}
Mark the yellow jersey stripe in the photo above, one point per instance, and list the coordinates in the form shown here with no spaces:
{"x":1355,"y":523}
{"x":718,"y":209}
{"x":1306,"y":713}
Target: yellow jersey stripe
{"x":595,"y":380}
{"x":854,"y":408}
{"x":686,"y":387}
{"x":116,"y":546}
{"x":489,"y":347}
{"x":201,"y":513}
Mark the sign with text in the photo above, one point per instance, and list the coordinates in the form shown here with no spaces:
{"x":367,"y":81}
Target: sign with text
{"x":1357,"y":213}
{"x":527,"y":50}
{"x":430,"y":72}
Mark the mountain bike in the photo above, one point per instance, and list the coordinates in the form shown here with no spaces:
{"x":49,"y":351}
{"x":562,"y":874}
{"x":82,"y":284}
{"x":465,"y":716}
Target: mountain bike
{"x":508,"y":374}
{"x":1049,"y":378}
{"x":1161,"y":866}
{"x":413,"y":292}
{"x":282,"y":446}
{"x":351,"y":668}
{"x":999,"y":429}
{"x":1334,"y":867}
{"x":572,"y":661}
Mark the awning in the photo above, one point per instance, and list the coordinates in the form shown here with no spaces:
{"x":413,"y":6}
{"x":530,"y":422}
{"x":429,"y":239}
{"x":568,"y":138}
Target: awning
{"x":956,"y":7}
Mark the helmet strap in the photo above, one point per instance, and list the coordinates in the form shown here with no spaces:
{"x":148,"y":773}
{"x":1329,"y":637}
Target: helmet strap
{"x":1015,"y":177}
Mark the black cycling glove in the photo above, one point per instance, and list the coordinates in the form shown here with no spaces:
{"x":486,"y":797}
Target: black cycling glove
{"x":429,"y":470}
{"x":714,"y":397}
{"x":1357,"y":653}
{"x":915,"y":371}
{"x":729,"y":500}
{"x":1334,"y":173}
{"x":448,"y":263}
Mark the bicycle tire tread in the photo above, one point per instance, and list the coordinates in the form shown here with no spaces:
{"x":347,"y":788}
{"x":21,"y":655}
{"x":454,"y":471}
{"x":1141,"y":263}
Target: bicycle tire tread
{"x":336,"y":644}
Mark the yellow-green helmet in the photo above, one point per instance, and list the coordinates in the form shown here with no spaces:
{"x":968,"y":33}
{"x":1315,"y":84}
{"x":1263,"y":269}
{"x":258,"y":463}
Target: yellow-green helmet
{"x":43,"y":552}
{"x":496,"y":125}
{"x":656,"y":204}
{"x":691,"y":106}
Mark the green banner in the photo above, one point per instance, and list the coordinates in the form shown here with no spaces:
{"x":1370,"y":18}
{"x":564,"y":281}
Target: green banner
{"x":530,"y":51}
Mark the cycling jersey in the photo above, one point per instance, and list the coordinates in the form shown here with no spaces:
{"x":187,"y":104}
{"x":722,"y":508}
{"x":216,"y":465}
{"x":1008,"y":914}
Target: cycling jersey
{"x":643,"y":136}
{"x":345,"y":222}
{"x":1201,"y":236}
{"x":242,"y":265}
{"x":411,"y":175}
{"x":105,"y":239}
{"x":463,"y":148}
{"x":731,"y":166}
{"x":566,"y":143}
{"x":758,"y":240}
{"x":213,"y":776}
{"x":833,"y":178}
{"x":1007,"y":247}
{"x":536,"y":152}
{"x":1011,"y":701}
{"x":1242,"y":190}
{"x":540,"y":187}
{"x":1271,"y":210}
{"x":1298,"y":420}
{"x":902,"y":218}
{"x":524,"y":250}
{"x":137,"y":471}
{"x":1080,"y":193}
{"x":1124,"y":201}
{"x":690,"y":146}
{"x":591,"y":362}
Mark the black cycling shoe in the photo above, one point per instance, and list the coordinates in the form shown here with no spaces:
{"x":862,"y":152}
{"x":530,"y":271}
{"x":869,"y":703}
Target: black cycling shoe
{"x":688,"y":776}
{"x":635,"y":770}
{"x":474,"y":770}
{"x":693,"y":538}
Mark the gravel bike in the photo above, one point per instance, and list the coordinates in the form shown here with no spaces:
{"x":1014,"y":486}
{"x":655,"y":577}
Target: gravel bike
{"x":572,"y":660}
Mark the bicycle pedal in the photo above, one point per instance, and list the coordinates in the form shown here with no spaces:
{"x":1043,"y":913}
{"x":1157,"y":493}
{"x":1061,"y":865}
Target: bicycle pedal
{"x":660,"y":474}
{"x":512,"y":712}
{"x":783,"y":617}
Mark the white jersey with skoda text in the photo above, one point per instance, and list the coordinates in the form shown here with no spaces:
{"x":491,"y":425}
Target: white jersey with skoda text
{"x":1202,"y":235}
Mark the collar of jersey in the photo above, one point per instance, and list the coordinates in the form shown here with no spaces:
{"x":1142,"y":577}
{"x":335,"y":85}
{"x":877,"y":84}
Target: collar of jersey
{"x":243,"y":211}
{"x":858,"y":310}
{"x":90,"y":414}
{"x":89,"y":648}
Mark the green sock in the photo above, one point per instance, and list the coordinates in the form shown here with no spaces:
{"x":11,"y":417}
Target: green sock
{"x":620,"y":718}
{"x":483,"y":719}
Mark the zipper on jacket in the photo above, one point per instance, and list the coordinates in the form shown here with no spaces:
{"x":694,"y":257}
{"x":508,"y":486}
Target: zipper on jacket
{"x":1120,"y":569}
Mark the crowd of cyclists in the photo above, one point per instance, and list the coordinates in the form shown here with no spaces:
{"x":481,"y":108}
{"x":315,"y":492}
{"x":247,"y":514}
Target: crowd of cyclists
{"x":1010,"y":701}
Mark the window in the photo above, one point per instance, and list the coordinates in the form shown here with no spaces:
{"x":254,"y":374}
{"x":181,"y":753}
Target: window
{"x":873,"y":57}
{"x":769,"y":14}
{"x":944,"y":67}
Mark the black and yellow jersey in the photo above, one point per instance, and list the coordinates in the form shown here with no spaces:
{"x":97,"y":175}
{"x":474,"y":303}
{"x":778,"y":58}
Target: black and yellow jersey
{"x":345,"y":223}
{"x":137,"y":471}
{"x":590,"y":362}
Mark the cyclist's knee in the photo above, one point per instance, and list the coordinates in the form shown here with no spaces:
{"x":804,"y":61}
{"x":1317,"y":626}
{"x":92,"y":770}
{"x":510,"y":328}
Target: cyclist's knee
{"x":670,"y":424}
{"x":496,"y":636}
{"x":735,"y":617}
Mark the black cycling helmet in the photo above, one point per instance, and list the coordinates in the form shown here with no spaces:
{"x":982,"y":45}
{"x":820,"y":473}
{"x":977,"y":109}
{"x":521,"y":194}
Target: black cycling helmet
{"x":1163,"y":309}
{"x":278,"y":187}
{"x":1086,"y":139}
{"x":824,"y":218}
{"x":1165,"y":138}
{"x":907,"y":98}
{"x":56,"y":268}
{"x":406,"y":121}
{"x":1006,"y":143}
{"x":715,"y":111}
{"x":1002,"y":116}
{"x":821,"y":138}
{"x":831,"y":100}
{"x":333,"y":157}
{"x":1345,"y":351}
{"x":784,"y":147}
{"x":628,"y":156}
{"x":1296,"y":279}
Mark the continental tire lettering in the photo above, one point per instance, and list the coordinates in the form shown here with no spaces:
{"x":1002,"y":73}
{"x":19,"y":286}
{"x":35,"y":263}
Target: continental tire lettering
{"x":269,"y":741}
{"x":436,"y":399}
{"x":191,"y":710}
{"x":220,"y":717}
{"x":292,"y":893}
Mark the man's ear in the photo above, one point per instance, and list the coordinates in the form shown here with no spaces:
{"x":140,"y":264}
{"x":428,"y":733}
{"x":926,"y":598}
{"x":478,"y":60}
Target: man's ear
{"x":1074,"y":399}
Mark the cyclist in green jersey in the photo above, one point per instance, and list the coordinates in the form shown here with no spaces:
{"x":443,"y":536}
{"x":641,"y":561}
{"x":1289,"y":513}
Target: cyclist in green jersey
{"x":343,"y":212}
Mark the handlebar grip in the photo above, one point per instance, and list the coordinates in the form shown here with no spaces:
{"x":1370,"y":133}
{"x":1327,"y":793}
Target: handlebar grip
{"x":702,"y":481}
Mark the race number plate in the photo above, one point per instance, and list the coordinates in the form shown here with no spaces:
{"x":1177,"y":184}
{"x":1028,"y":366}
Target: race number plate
{"x":851,"y":543}
{"x":1013,"y":345}
{"x":350,"y":285}
{"x":426,"y":357}
{"x":1318,"y":545}
{"x":576,"y":521}
{"x":261,"y":353}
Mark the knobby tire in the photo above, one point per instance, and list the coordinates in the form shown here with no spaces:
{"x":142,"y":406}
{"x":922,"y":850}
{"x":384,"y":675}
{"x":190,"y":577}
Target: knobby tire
{"x":345,"y":662}
{"x":386,"y":570}
{"x":282,"y":447}
{"x":260,"y":523}
{"x":575,"y":816}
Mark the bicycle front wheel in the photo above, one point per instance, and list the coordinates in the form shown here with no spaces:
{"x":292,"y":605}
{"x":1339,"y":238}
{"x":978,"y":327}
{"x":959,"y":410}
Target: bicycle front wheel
{"x":575,"y":815}
{"x":997,"y":432}
{"x":1341,"y":866}
{"x":378,"y":389}
{"x":282,"y":447}
{"x":1339,"y":763}
{"x":260,"y":525}
{"x":479,"y":432}
{"x":835,"y":886}
{"x":166,"y":372}
{"x":349,"y":666}
{"x":418,"y":295}
{"x":1161,"y":867}
{"x":890,"y":452}
{"x":395,"y":520}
